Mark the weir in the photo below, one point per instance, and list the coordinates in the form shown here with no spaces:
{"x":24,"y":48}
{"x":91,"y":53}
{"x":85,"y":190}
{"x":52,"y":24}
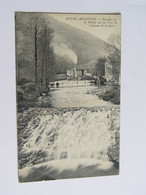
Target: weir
{"x":68,"y":142}
{"x":72,"y":134}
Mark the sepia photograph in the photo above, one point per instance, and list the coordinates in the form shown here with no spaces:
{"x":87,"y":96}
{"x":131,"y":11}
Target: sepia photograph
{"x":68,"y":73}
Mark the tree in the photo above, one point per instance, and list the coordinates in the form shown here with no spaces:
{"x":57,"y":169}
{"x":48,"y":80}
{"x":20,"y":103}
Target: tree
{"x":113,"y":47}
{"x":100,"y":67}
{"x":34,"y":44}
{"x":32,"y":30}
{"x":113,"y":50}
{"x":46,"y":51}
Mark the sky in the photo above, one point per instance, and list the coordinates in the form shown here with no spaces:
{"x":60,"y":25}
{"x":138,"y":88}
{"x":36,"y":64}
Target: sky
{"x":99,"y":25}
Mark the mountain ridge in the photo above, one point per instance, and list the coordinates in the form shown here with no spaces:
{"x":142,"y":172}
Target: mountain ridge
{"x":86,"y":46}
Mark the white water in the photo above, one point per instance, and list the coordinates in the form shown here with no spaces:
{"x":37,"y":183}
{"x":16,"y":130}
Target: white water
{"x":74,"y":135}
{"x":73,"y":167}
{"x":70,"y":139}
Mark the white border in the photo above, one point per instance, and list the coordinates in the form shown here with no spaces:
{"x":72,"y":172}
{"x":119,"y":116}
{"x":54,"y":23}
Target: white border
{"x":133,"y":108}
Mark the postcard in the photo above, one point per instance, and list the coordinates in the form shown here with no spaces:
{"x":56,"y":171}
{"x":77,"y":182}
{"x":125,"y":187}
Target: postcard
{"x":68,"y":95}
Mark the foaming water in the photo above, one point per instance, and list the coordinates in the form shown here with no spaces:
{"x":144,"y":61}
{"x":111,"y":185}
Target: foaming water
{"x":65,"y":168}
{"x":71,"y":135}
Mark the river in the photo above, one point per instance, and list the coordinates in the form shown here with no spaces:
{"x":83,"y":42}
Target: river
{"x":73,"y":138}
{"x":73,"y":97}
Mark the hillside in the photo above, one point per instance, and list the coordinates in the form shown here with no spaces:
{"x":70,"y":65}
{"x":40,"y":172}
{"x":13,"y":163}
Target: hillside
{"x":85,"y":46}
{"x":71,"y":46}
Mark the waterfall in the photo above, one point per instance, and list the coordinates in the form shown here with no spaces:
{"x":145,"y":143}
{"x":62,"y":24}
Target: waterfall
{"x":71,"y":135}
{"x":68,"y":143}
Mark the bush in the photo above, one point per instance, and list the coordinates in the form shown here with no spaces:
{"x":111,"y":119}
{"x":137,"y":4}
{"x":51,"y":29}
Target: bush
{"x":22,"y":81}
{"x":29,"y":87}
{"x":112,"y":95}
{"x":20,"y":94}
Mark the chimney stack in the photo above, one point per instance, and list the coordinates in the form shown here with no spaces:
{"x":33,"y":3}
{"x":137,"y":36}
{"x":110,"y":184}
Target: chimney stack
{"x":77,"y":60}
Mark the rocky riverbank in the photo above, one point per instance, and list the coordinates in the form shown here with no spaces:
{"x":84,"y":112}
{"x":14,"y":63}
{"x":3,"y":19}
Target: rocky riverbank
{"x":110,"y":93}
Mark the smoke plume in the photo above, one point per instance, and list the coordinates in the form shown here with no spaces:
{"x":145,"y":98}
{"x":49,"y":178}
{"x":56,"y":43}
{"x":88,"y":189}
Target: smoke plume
{"x":63,"y":50}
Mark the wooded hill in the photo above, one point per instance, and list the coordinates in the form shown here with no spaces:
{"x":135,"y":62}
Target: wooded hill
{"x":85,"y":46}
